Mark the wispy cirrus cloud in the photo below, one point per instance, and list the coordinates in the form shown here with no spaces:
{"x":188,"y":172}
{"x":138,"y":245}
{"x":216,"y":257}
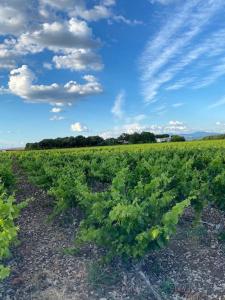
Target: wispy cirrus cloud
{"x":218,"y":103}
{"x":180,"y":44}
{"x":178,"y":104}
{"x":117,"y":109}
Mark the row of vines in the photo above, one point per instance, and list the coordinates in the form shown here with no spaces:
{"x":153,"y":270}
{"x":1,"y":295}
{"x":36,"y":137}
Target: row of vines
{"x":132,"y":198}
{"x":9,"y":211}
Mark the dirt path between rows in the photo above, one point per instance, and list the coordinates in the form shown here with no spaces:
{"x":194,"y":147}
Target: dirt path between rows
{"x":41,"y":269}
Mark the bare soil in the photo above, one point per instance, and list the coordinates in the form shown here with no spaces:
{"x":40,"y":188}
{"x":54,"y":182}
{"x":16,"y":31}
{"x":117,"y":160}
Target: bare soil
{"x":193,"y":264}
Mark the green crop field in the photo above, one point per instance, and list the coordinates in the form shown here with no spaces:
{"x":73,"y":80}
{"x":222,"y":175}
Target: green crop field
{"x":133,"y":196}
{"x":130,"y":198}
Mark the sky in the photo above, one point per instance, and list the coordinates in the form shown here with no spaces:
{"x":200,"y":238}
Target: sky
{"x":104,"y":67}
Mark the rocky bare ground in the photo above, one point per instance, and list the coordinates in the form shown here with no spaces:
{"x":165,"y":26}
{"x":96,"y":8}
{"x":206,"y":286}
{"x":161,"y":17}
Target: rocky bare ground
{"x":191,"y":267}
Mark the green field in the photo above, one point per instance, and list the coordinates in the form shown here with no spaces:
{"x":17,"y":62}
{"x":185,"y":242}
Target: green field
{"x":132,"y":196}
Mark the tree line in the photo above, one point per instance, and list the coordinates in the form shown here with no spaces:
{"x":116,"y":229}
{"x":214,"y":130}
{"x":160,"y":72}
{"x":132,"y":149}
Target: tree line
{"x":91,"y":141}
{"x":215,"y":137}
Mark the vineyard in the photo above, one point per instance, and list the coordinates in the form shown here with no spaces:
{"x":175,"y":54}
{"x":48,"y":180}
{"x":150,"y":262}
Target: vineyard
{"x":131,"y":199}
{"x":9,"y":211}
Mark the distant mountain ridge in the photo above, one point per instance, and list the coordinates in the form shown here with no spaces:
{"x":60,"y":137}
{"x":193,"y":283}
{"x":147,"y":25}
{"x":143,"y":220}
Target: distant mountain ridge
{"x":198,"y":135}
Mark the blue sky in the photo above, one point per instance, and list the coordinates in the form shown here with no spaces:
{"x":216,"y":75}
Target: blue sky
{"x":70,"y":67}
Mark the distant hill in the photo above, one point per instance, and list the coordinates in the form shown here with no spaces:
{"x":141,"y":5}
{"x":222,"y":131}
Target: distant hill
{"x":198,"y":135}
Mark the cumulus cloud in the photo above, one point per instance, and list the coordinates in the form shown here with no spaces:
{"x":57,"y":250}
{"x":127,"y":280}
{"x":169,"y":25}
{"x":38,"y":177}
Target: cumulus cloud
{"x":56,"y":36}
{"x":63,"y":38}
{"x":126,"y":128}
{"x":14,"y":16}
{"x":96,"y":13}
{"x":79,"y":60}
{"x":78,"y":127}
{"x":8,"y":54}
{"x":56,"y":110}
{"x":100,"y":11}
{"x":21,"y":84}
{"x":60,"y":26}
{"x":173,"y":127}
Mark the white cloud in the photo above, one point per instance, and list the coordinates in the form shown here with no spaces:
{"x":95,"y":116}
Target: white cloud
{"x":138,"y":118}
{"x":181,"y":83}
{"x":217,"y":103}
{"x":216,"y":72}
{"x":14,"y":16}
{"x":72,"y":41}
{"x":78,"y":127}
{"x":8,"y":55}
{"x":56,"y":36}
{"x":173,"y":127}
{"x":21,"y":84}
{"x":178,"y":104}
{"x":133,"y":127}
{"x":57,"y":118}
{"x":220,"y":127}
{"x":108,"y":2}
{"x":96,"y":13}
{"x":117,"y":109}
{"x":47,"y":66}
{"x":164,"y":2}
{"x":100,"y":11}
{"x":4,"y":90}
{"x":62,"y":4}
{"x":172,"y":43}
{"x":79,"y":9}
{"x":60,"y":26}
{"x":79,"y":60}
{"x":122,"y":19}
{"x":175,"y":123}
{"x":118,"y":130}
{"x":56,"y":110}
